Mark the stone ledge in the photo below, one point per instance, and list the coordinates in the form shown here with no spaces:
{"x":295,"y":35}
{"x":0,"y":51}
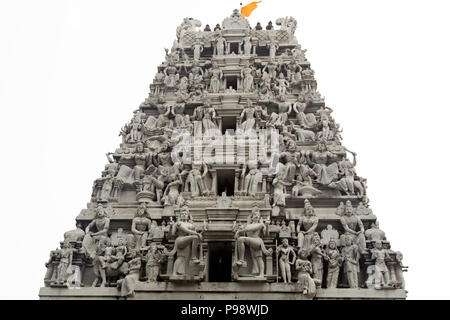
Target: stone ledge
{"x":218,"y":290}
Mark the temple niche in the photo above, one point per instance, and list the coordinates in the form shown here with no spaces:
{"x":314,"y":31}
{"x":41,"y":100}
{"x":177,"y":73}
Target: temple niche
{"x":232,"y":170}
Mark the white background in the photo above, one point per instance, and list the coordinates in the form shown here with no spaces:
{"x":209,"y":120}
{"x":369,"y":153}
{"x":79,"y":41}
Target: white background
{"x":72,"y":72}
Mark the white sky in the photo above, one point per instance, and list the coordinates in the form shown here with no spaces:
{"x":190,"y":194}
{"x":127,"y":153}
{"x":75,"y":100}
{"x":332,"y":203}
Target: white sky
{"x":72,"y":72}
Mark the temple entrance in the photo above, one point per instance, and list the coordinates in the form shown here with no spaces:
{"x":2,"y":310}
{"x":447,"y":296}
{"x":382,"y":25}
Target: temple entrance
{"x":231,"y":82}
{"x":225,"y":182}
{"x":228,"y":123}
{"x":219,"y":262}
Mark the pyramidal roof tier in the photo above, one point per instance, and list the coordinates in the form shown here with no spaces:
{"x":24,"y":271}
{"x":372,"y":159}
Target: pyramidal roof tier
{"x":232,"y":170}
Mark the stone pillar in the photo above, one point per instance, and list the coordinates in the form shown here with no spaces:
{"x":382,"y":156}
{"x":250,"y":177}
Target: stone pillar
{"x":236,"y":182}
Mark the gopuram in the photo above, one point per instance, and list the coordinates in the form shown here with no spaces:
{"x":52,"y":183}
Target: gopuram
{"x":231,"y":182}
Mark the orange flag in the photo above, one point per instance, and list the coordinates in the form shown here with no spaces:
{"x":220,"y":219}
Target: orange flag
{"x":248,"y":9}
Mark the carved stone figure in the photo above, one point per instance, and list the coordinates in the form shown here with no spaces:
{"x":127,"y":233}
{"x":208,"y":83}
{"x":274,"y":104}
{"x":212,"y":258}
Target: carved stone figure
{"x":128,"y":284}
{"x":250,"y":236}
{"x":154,"y":259}
{"x":216,"y":78}
{"x":249,"y":114}
{"x":246,"y":44}
{"x":350,"y":255}
{"x":305,"y":120}
{"x":333,"y":256}
{"x":247,"y":76}
{"x":252,"y":179}
{"x":304,"y":272}
{"x":140,"y":227}
{"x":380,"y":256}
{"x":374,"y":233}
{"x":353,"y":227}
{"x":287,"y":258}
{"x":198,"y":49}
{"x":308,"y":221}
{"x":195,"y":180}
{"x":66,"y":256}
{"x":221,"y":45}
{"x":75,"y":235}
{"x":329,"y":234}
{"x":186,"y":243}
{"x":317,"y":255}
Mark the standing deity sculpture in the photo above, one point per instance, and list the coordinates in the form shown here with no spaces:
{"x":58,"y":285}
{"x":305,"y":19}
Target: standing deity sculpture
{"x":248,"y":113}
{"x":304,"y":271}
{"x":308,"y":221}
{"x":250,"y":236}
{"x":279,"y":187}
{"x":247,"y":76}
{"x":273,"y":47}
{"x":216,"y":78}
{"x":154,"y":258}
{"x":197,"y":48}
{"x":287,"y":259}
{"x":220,"y":45}
{"x":252,"y":179}
{"x":246,"y":44}
{"x":283,"y":84}
{"x":127,"y":285}
{"x":350,"y":256}
{"x":317,"y":256}
{"x":380,"y":256}
{"x":195,"y":180}
{"x":186,"y":243}
{"x":374,"y":233}
{"x":353,"y":226}
{"x":333,"y":256}
{"x":140,"y":227}
{"x":65,"y":262}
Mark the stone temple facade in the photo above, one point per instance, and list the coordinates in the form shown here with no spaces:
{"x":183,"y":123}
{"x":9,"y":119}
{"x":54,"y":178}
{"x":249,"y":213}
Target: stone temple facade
{"x":231,"y":182}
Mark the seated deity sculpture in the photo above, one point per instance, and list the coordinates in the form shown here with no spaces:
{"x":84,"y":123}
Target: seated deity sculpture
{"x":195,"y":180}
{"x":250,"y":236}
{"x":101,"y":226}
{"x":172,"y":192}
{"x":374,"y":233}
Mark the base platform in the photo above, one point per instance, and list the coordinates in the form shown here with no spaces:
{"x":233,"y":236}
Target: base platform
{"x":217,"y":291}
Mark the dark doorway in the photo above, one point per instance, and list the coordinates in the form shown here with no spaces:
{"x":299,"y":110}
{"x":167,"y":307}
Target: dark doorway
{"x":234,"y":48}
{"x":225,"y":182}
{"x":228,"y":123}
{"x":232,"y":83}
{"x":219,"y":262}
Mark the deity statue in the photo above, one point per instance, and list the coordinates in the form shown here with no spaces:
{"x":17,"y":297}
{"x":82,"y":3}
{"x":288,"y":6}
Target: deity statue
{"x":317,"y":256}
{"x":333,"y":256}
{"x":290,"y":158}
{"x":172,"y":76}
{"x":279,"y":187}
{"x":380,"y":256}
{"x":253,"y":178}
{"x":320,"y":161}
{"x":154,"y":258}
{"x":127,"y":284}
{"x":66,"y":256}
{"x":195,"y":180}
{"x":374,"y":233}
{"x":304,"y":272}
{"x":287,"y":258}
{"x":328,"y":234}
{"x":309,"y":222}
{"x":247,"y":76}
{"x":197,"y":48}
{"x":305,"y":120}
{"x":283,"y":84}
{"x":101,"y":225}
{"x":363,"y":207}
{"x":140,"y":227}
{"x":172,"y":191}
{"x":216,"y":78}
{"x":246,"y":44}
{"x":350,"y":256}
{"x":273,"y":47}
{"x":340,"y":209}
{"x":186,"y":243}
{"x":249,"y":114}
{"x":351,"y":222}
{"x":250,"y":236}
{"x":220,"y":45}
